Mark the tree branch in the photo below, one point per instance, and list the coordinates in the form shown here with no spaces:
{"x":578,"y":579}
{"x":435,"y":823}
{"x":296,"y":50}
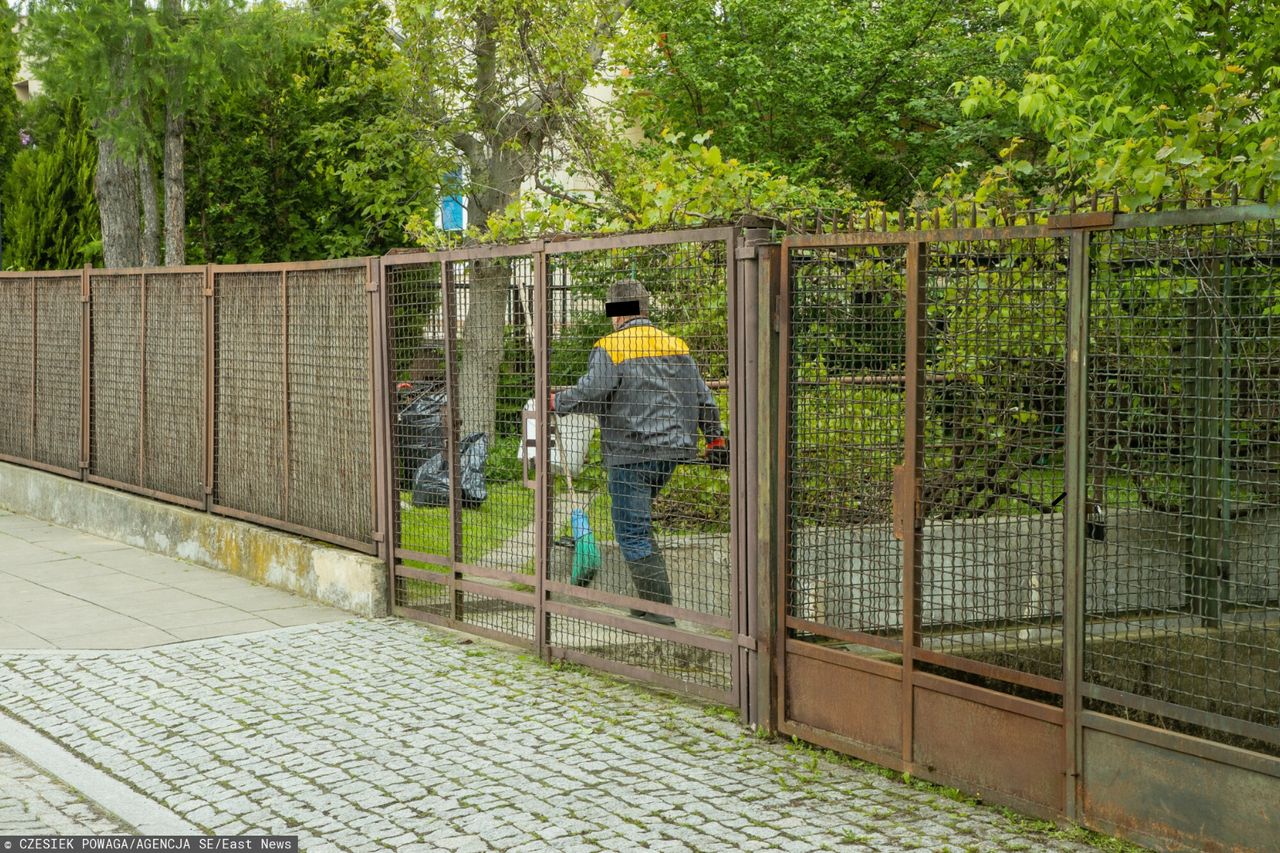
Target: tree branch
{"x":467,"y":144}
{"x":556,"y":192}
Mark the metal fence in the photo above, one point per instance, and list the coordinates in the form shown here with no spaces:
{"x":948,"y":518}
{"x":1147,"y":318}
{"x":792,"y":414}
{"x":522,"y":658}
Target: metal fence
{"x":1029,"y":517}
{"x":247,"y":391}
{"x":1002,"y":507}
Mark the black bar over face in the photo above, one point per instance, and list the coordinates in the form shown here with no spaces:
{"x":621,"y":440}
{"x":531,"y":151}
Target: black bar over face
{"x":630,"y":308}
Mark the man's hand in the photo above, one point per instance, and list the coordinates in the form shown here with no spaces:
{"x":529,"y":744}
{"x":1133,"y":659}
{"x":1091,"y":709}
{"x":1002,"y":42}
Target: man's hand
{"x":551,"y":402}
{"x":717,"y":454}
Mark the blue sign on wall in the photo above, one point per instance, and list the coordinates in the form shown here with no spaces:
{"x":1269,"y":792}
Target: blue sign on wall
{"x":453,"y":207}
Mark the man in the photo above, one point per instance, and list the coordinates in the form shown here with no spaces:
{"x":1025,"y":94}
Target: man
{"x":651,"y":401}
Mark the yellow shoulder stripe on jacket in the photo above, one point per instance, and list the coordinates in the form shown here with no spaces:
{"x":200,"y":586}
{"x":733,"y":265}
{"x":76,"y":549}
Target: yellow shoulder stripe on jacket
{"x":641,"y":342}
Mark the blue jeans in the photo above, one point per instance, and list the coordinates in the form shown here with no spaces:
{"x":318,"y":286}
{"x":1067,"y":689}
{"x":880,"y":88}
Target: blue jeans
{"x":632,"y":489}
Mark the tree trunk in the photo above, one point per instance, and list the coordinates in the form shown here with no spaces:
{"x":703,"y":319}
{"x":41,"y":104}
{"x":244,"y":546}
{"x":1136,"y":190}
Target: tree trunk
{"x":116,"y":188}
{"x":482,"y":337}
{"x":150,"y":212}
{"x":490,"y":285}
{"x":175,"y":191}
{"x":175,"y":187}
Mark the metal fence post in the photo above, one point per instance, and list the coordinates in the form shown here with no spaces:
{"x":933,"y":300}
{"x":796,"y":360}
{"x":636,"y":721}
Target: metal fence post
{"x":1075,"y":477}
{"x":209,"y":434}
{"x":762,"y":379}
{"x":909,"y":488}
{"x":35,"y":362}
{"x":286,"y":462}
{"x":142,"y":380}
{"x":738,"y":258}
{"x":542,"y":488}
{"x":453,"y":419}
{"x":380,"y":421}
{"x":86,"y":399}
{"x":745,"y":278}
{"x":780,"y":312}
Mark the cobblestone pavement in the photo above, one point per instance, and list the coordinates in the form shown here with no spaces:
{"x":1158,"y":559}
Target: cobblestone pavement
{"x":33,"y":803}
{"x":387,"y":735}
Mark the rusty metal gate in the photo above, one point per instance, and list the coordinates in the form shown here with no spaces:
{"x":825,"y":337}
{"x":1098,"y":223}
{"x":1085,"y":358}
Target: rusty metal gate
{"x":924,"y":392}
{"x":476,"y":340}
{"x":1026,"y":528}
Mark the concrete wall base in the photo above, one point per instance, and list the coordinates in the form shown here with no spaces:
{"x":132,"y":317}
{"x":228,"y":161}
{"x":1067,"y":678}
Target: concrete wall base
{"x":327,"y":574}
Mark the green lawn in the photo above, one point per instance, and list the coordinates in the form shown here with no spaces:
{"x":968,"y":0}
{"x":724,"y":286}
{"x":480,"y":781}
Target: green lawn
{"x":507,"y":510}
{"x":505,"y":513}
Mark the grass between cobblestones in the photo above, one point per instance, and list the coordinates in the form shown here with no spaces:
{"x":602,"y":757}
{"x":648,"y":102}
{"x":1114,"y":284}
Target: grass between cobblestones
{"x":813,"y":755}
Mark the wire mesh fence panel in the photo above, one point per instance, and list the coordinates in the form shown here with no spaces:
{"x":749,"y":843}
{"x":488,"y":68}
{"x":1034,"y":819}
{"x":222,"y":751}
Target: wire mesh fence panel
{"x":639,"y":510}
{"x":416,"y":328}
{"x":994,"y":391}
{"x":684,"y":666}
{"x":416,"y":331}
{"x":1183,"y":570}
{"x":426,"y":596}
{"x":17,"y":353}
{"x":173,"y":421}
{"x":330,"y":465}
{"x":115,"y":385}
{"x":495,"y":385}
{"x":58,"y":372}
{"x":495,"y":300}
{"x":846,"y":396}
{"x":250,"y":438}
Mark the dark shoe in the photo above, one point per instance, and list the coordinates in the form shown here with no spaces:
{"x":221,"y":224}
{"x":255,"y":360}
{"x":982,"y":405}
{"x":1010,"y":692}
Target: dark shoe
{"x":655,"y":618}
{"x":650,"y":577}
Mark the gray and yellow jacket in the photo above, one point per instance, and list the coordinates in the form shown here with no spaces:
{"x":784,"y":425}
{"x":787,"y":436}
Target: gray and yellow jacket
{"x":646,"y":390}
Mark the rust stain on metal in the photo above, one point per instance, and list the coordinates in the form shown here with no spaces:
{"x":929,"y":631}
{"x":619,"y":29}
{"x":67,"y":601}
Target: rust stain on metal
{"x":906,"y":496}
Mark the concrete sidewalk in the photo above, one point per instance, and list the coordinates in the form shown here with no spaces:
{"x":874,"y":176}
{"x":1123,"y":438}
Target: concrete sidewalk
{"x":384,"y":735}
{"x":61,"y":589}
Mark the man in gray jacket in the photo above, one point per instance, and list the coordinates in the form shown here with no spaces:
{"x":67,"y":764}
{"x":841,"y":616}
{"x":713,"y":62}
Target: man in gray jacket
{"x":651,"y":401}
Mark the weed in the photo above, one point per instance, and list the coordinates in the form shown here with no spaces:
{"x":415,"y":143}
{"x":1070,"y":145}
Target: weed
{"x":723,"y":712}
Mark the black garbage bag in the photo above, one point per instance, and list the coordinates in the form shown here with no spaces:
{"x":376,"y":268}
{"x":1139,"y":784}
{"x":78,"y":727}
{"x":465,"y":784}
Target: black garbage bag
{"x":474,"y":452}
{"x":419,"y":432}
{"x":431,"y":480}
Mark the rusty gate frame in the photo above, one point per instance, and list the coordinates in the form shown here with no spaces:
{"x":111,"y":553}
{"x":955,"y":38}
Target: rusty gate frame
{"x":741,"y":645}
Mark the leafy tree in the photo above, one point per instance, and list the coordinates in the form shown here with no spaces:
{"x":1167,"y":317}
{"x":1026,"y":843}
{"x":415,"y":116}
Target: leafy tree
{"x":850,"y":93}
{"x":499,"y":80}
{"x":139,"y":72}
{"x":318,"y":157}
{"x":51,"y":218}
{"x":667,"y":184}
{"x":9,"y":106}
{"x":1152,"y":97}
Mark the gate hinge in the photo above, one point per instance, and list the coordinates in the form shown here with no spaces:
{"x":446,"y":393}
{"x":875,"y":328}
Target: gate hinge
{"x":745,"y":253}
{"x":371,"y":285}
{"x":748,"y":643}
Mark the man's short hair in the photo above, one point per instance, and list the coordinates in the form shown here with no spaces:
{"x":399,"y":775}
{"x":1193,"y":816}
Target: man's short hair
{"x":627,"y":298}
